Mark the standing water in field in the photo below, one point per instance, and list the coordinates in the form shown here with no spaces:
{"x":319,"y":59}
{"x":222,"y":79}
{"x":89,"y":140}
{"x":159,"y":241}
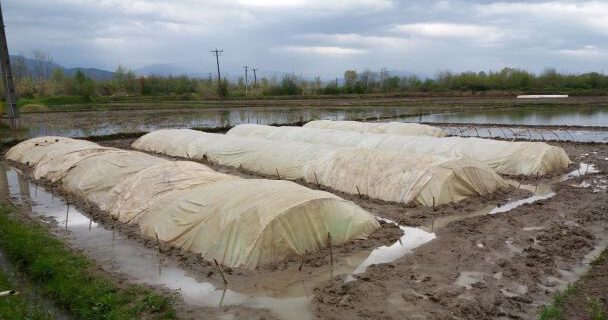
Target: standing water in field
{"x":281,"y":294}
{"x":531,"y":116}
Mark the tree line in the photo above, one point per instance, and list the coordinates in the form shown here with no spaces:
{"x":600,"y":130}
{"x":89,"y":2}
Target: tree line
{"x":43,"y":79}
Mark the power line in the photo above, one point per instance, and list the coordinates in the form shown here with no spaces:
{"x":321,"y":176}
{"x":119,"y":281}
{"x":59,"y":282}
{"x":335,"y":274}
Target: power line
{"x":7,"y":76}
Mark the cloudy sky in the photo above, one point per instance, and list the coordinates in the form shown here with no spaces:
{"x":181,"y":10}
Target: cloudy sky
{"x":311,"y":37}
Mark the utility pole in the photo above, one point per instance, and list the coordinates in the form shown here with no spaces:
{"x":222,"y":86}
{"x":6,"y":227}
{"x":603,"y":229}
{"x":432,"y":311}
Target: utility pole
{"x":210,"y":77}
{"x":217,"y":53}
{"x":246,"y":80}
{"x":7,"y":76}
{"x":255,"y":77}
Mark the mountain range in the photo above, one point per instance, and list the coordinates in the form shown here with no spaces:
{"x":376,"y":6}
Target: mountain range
{"x":167,"y":69}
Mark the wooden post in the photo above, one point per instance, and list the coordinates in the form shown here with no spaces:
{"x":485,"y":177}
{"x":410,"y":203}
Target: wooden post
{"x":358,"y":192}
{"x":278,"y":176}
{"x":331,"y":252}
{"x":67,"y":212}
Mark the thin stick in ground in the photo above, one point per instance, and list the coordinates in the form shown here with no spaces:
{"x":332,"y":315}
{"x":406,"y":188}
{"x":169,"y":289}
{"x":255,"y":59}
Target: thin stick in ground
{"x":331,"y":251}
{"x":221,"y":272}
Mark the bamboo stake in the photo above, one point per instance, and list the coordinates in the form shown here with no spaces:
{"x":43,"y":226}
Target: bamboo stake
{"x":158,"y":243}
{"x":331,"y":252}
{"x":67,"y":212}
{"x":221,"y":272}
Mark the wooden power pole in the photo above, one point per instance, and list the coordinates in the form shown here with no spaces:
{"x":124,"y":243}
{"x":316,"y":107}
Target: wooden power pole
{"x":246,"y":78}
{"x":255,"y":77}
{"x":7,"y":76}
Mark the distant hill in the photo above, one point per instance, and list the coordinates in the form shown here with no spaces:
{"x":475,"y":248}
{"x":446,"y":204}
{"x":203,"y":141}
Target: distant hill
{"x":97,"y":74}
{"x":163,"y":69}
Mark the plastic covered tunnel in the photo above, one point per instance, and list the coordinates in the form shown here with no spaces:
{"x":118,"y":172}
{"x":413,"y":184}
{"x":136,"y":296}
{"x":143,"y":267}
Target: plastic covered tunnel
{"x":239,"y":222}
{"x":379,"y":174}
{"x":513,"y":158}
{"x":402,"y":128}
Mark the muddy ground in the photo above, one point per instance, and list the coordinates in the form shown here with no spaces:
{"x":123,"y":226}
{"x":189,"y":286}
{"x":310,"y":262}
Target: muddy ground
{"x":479,"y":267}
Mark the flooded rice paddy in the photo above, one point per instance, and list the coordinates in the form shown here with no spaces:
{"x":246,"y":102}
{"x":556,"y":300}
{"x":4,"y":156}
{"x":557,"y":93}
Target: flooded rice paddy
{"x":528,"y":116}
{"x":478,"y":122}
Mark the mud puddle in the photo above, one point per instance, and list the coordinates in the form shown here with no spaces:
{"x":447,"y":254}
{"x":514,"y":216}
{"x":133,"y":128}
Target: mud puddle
{"x":411,"y":239}
{"x":285,"y":297}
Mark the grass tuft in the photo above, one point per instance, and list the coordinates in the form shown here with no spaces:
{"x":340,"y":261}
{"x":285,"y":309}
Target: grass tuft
{"x":69,"y":279}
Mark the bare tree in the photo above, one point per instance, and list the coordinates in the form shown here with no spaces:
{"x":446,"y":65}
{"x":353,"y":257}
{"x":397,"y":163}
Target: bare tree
{"x":384,"y":75}
{"x":43,"y":63}
{"x":19,"y":68}
{"x":366,"y":77}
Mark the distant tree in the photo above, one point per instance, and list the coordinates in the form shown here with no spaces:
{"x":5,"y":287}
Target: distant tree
{"x":84,"y":86}
{"x":19,"y":68}
{"x":350,"y":78}
{"x":42,"y":64}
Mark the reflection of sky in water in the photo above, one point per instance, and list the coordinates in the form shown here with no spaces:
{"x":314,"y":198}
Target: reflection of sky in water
{"x":289,"y":292}
{"x":83,"y":124}
{"x":524,"y":116}
{"x":531,"y":134}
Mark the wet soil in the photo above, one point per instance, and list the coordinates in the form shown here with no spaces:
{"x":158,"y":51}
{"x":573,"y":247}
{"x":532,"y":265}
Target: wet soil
{"x":273,"y":280}
{"x":480,"y":266}
{"x":593,"y":286}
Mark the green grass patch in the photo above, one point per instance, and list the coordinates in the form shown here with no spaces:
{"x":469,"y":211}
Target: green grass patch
{"x":554,"y":310}
{"x":20,"y":306}
{"x":70,"y":280}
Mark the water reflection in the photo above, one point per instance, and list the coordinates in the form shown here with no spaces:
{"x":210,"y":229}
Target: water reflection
{"x":85,"y":124}
{"x":286,"y":293}
{"x":542,"y":115}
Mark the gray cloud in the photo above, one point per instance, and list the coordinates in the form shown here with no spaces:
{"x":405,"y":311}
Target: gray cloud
{"x":313,"y":37}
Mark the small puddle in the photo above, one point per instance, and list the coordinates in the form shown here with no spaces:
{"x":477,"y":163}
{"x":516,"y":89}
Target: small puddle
{"x":467,"y":279}
{"x":284,"y":293}
{"x":411,"y":239}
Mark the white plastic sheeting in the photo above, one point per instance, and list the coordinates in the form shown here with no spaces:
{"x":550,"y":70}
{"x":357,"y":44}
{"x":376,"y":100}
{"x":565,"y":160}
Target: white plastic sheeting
{"x":55,"y":168}
{"x":93,"y":177}
{"x":133,"y":196}
{"x":392,"y":176}
{"x":380,"y":174}
{"x":513,"y":158}
{"x":402,"y":128}
{"x":236,"y":221}
{"x":34,"y":150}
{"x":286,"y":160}
{"x":248,"y":222}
